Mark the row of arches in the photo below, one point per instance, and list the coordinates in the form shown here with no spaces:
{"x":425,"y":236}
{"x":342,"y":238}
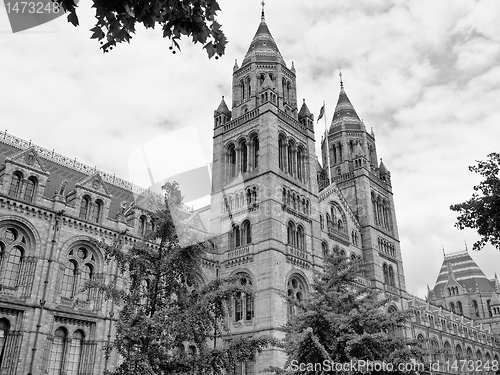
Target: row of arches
{"x":242,"y":156}
{"x":67,"y":352}
{"x":243,"y":198}
{"x":296,"y":201}
{"x":245,"y":86}
{"x":23,"y":188}
{"x":340,"y":251}
{"x":338,"y":154}
{"x":335,"y":219}
{"x":387,"y":247}
{"x":292,"y":158}
{"x":381,"y":211}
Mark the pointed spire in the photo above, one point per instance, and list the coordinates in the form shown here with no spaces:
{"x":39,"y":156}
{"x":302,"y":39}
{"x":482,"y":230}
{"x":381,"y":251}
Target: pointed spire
{"x":382,"y":169}
{"x":235,"y":67}
{"x":263,"y":46}
{"x":263,"y":16}
{"x":344,"y":111}
{"x":304,"y":111}
{"x":293,"y":67}
{"x":222,"y":108}
{"x":444,"y":254}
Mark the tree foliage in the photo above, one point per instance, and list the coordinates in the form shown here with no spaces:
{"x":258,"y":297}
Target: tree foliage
{"x":482,"y":211}
{"x":342,"y":321}
{"x":117,"y":20}
{"x":165,"y":309}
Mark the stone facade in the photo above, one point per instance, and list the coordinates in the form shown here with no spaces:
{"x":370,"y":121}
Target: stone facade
{"x":274,"y":213}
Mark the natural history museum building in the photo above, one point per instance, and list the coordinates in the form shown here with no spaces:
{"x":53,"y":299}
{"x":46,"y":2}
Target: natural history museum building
{"x":279,"y":211}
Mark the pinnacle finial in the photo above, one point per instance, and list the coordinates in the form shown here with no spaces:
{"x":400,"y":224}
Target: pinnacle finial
{"x":466,"y":249}
{"x":341,"y":82}
{"x":442,"y":246}
{"x":262,"y":16}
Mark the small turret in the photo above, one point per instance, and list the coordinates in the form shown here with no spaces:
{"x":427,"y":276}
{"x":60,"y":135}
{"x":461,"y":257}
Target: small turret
{"x":235,"y":67}
{"x":222,"y":114}
{"x":305,"y":116}
{"x":384,"y":174}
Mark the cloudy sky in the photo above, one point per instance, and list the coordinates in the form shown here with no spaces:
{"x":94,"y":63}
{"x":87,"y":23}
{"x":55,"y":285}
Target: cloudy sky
{"x":423,"y":74}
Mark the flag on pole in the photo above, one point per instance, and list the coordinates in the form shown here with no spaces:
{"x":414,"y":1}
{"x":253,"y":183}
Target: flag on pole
{"x":321,"y":113}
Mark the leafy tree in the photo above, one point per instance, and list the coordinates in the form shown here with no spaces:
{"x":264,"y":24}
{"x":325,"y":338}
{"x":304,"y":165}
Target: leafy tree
{"x":482,"y":211}
{"x":342,"y":321}
{"x":117,"y":19}
{"x":164,"y":310}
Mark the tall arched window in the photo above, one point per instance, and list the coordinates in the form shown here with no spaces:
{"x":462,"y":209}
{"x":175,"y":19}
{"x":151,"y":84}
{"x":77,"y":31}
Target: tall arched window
{"x":86,"y":275}
{"x":291,"y":150}
{"x":386,"y":273}
{"x":281,"y":153}
{"x":246,"y":233}
{"x":69,"y":279}
{"x":321,"y":223}
{"x":4,"y":329}
{"x":300,"y":164}
{"x":391,"y":276}
{"x":255,"y":153}
{"x":475,"y":307}
{"x":244,"y":156}
{"x":142,"y":226}
{"x":96,"y":211}
{"x":460,"y":309}
{"x":57,"y":352}
{"x":324,"y":247}
{"x":488,"y":306}
{"x":242,"y":88}
{"x":296,"y":291}
{"x":75,"y":353}
{"x":232,"y":160}
{"x":84,"y":207}
{"x":244,"y":302}
{"x":13,"y":267}
{"x":291,"y":234}
{"x":29,"y":193}
{"x":301,"y":242}
{"x":15,"y":184}
{"x":452,"y":307}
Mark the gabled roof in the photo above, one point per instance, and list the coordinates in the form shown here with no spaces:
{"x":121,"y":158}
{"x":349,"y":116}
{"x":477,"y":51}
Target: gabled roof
{"x":304,"y":111}
{"x":222,"y":108}
{"x":263,"y":46}
{"x":465,"y":271}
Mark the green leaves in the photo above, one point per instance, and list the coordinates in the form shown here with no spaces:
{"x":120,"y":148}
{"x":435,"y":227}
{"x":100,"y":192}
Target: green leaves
{"x":116,"y":21}
{"x":482,"y":211}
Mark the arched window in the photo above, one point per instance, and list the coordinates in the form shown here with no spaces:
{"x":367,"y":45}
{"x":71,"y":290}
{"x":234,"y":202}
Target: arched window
{"x":69,"y":280}
{"x":291,"y":150}
{"x":244,"y":302}
{"x":321,"y":222}
{"x":452,"y":307}
{"x":242,"y":88}
{"x":84,"y":207}
{"x":232,"y":161}
{"x":434,"y":350}
{"x":244,"y":156}
{"x":281,"y":153}
{"x":447,"y":351}
{"x":246,"y":233}
{"x":296,"y":292}
{"x":57,"y":352}
{"x":142,"y":226}
{"x":75,"y":353}
{"x":4,"y":329}
{"x":86,"y":275}
{"x":391,"y":276}
{"x":291,"y":234}
{"x":460,"y":309}
{"x":29,"y":193}
{"x":255,"y":146}
{"x":96,"y":211}
{"x":13,"y":267}
{"x":476,"y":308}
{"x":488,"y":306}
{"x":15,"y":184}
{"x":386,"y":273}
{"x":324,"y":247}
{"x":300,"y":164}
{"x":301,"y":242}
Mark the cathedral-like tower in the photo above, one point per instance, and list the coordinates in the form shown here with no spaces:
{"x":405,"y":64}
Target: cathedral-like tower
{"x":366,"y":186}
{"x":264,"y":188}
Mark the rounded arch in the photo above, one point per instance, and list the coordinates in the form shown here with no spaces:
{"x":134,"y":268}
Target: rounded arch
{"x":392,"y":309}
{"x":28,"y":229}
{"x":300,"y":275}
{"x":81,"y":241}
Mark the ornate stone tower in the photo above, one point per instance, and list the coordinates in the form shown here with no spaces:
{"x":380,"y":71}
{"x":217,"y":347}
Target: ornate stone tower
{"x":366,"y":185}
{"x":264,"y":188}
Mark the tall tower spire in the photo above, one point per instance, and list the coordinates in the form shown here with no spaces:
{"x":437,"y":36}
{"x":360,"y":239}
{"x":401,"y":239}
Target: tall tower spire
{"x":263,"y":16}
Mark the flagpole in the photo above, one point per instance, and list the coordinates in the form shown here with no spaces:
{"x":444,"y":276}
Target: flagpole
{"x":327,"y":148}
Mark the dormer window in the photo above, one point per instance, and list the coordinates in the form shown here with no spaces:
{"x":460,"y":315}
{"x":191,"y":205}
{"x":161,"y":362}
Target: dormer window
{"x":29,"y":193}
{"x":96,"y":211}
